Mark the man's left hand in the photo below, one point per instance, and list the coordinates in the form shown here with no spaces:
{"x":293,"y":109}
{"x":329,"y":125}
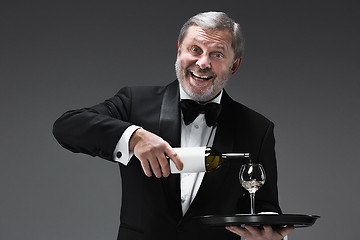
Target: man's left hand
{"x":265,"y":233}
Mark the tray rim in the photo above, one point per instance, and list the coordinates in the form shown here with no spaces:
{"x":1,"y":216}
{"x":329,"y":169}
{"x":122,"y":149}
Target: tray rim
{"x":278,"y":220}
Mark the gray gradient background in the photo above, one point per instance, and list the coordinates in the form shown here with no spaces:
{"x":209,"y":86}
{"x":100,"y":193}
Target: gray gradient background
{"x":301,"y":69}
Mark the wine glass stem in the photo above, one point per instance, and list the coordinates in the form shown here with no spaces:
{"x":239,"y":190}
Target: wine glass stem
{"x":252,"y":200}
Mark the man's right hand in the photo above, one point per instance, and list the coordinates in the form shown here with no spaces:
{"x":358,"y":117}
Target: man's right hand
{"x":152,"y":150}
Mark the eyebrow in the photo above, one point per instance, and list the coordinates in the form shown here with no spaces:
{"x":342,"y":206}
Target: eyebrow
{"x":218,"y":46}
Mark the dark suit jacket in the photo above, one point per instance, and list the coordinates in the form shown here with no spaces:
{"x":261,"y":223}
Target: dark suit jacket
{"x":151,"y":207}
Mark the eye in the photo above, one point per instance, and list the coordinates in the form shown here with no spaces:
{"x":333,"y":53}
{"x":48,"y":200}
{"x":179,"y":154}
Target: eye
{"x":195,"y":50}
{"x":218,"y":55}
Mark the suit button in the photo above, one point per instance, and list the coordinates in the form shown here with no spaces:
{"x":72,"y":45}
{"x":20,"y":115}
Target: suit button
{"x":118,"y":154}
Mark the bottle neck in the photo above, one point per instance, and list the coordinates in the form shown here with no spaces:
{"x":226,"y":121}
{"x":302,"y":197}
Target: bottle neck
{"x":235,"y":155}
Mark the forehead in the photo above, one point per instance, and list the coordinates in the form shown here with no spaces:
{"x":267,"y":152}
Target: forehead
{"x":211,"y":38}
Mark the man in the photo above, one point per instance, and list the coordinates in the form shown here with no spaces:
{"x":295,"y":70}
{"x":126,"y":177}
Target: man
{"x":139,"y":127}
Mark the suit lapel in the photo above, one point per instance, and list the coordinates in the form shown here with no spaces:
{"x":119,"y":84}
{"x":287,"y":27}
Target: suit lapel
{"x":170,"y":130}
{"x":223,"y":141}
{"x":170,"y":115}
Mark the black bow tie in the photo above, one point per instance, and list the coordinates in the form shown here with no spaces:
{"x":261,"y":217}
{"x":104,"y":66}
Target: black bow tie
{"x":192,"y":109}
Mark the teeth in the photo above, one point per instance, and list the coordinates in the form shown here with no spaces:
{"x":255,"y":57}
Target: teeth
{"x":202,"y":77}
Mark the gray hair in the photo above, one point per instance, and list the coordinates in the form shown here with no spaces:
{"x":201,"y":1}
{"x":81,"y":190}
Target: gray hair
{"x":216,"y":21}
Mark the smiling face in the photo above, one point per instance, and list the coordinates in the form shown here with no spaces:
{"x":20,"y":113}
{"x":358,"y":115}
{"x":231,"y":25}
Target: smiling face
{"x":205,"y":62}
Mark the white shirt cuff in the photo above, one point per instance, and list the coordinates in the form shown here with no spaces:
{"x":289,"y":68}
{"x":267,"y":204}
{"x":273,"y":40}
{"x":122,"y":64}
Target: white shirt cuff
{"x":121,"y":152}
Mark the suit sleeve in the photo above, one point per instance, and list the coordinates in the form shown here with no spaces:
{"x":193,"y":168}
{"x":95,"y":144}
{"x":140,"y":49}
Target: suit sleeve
{"x":267,"y":196}
{"x":96,"y":130}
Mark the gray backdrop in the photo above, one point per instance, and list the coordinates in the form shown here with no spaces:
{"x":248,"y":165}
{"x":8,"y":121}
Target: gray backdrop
{"x":301,"y":69}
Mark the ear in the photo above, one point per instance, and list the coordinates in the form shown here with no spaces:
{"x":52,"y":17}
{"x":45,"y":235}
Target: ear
{"x":236,"y":65}
{"x":179,"y":49}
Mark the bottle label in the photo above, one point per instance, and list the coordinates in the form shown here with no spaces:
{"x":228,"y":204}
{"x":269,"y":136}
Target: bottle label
{"x":193,"y":159}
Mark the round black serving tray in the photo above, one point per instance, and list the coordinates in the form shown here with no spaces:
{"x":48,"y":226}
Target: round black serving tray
{"x":275,"y":220}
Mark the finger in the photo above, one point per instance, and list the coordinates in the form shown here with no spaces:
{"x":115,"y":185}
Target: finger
{"x":175,"y":158}
{"x":146,"y":167}
{"x":155,"y":167}
{"x":286,"y":231}
{"x":164,"y":165}
{"x":267,"y":230}
{"x":238,"y":230}
{"x":253,"y":230}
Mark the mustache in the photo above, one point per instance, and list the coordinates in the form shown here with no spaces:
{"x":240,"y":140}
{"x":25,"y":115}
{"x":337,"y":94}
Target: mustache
{"x":199,"y":70}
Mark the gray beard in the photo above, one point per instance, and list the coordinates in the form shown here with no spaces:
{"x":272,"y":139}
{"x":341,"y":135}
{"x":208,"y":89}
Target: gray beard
{"x":203,"y":96}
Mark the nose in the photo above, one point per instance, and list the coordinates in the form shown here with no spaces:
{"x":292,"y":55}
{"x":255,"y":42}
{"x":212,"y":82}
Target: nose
{"x":203,"y":62}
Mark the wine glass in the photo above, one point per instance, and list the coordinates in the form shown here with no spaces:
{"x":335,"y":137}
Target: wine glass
{"x":252,"y":177}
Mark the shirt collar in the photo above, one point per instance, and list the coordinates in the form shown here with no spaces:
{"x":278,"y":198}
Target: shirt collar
{"x":184,"y":95}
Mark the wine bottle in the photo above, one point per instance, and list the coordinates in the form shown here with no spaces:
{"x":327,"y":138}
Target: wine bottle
{"x":202,"y":159}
